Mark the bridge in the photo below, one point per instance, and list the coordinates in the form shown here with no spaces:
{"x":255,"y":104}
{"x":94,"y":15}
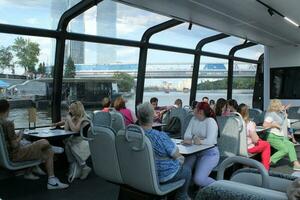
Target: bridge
{"x":161,"y":74}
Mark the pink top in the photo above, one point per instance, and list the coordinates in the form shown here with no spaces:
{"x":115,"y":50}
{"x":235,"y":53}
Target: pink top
{"x":105,"y":110}
{"x":251,"y":128}
{"x":127,"y":116}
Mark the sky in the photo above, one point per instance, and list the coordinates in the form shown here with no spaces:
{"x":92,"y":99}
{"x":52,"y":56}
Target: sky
{"x":130,"y":24}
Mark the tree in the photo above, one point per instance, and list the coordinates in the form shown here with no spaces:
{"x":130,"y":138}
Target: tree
{"x":6,"y":58}
{"x":124,"y":81}
{"x":27,"y":53}
{"x":42,"y":69}
{"x":70,"y":70}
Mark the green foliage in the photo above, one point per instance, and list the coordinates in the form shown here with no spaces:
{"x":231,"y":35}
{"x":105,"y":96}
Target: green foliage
{"x":70,"y":70}
{"x":27,"y":53}
{"x":125,"y":81}
{"x":42,"y":68}
{"x":238,"y":83}
{"x":6,"y":58}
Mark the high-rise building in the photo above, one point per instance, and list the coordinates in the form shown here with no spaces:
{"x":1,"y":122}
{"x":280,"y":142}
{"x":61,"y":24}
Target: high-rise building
{"x":75,"y":49}
{"x":106,"y":26}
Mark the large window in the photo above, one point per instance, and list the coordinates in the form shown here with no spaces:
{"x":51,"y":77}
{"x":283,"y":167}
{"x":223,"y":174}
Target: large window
{"x":24,"y":64}
{"x":34,"y":13}
{"x":116,"y":20}
{"x":253,"y":52}
{"x":103,"y":71}
{"x":168,"y":77}
{"x":212,"y":81}
{"x":223,"y":46}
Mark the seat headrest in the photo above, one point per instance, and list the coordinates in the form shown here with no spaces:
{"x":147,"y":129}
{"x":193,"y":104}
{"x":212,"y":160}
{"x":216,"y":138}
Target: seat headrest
{"x":101,"y":118}
{"x":135,"y":135}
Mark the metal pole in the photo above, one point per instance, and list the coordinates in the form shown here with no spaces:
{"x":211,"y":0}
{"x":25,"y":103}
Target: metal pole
{"x":196,"y":66}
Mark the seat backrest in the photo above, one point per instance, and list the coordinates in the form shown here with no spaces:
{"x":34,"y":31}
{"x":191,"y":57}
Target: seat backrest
{"x":228,"y":142}
{"x":117,"y":120}
{"x":100,"y":118}
{"x":104,"y":153}
{"x":181,"y":114}
{"x":294,"y":112}
{"x":136,"y":159}
{"x":4,"y":158}
{"x":186,"y":122}
{"x":255,"y":115}
{"x":243,"y":146}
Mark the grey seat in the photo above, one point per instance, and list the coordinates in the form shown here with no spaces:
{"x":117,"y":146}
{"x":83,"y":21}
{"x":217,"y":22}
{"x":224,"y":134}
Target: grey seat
{"x":102,"y":142}
{"x":181,"y":114}
{"x":137,"y":164}
{"x":117,"y":120}
{"x":294,"y":112}
{"x":7,"y":163}
{"x":278,"y":181}
{"x":186,"y":122}
{"x":228,"y":189}
{"x":256,"y":115}
{"x":100,"y":118}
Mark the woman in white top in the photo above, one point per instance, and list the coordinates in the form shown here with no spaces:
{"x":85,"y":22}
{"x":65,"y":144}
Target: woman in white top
{"x":203,"y":129}
{"x":255,"y":144}
{"x":276,"y":121}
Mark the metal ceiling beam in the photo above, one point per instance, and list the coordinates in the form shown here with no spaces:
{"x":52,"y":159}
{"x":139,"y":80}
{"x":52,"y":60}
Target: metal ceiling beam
{"x":143,"y":55}
{"x":196,"y":66}
{"x":230,"y":65}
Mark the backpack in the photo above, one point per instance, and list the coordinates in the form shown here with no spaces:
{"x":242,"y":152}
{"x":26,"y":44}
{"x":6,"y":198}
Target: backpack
{"x":173,"y":126}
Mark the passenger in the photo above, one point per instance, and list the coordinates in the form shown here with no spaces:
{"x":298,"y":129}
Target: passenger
{"x":168,"y":160}
{"x":159,"y":111}
{"x":128,"y":115}
{"x":106,"y":104}
{"x":232,"y":105}
{"x":77,"y":149}
{"x":205,"y":99}
{"x":255,"y":144}
{"x":221,"y":107}
{"x":203,"y":129}
{"x":38,"y":150}
{"x":275,"y":120}
{"x":212,"y":104}
{"x":178,"y":103}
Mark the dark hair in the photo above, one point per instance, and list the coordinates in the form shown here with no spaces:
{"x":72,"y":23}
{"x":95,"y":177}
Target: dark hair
{"x":178,"y":101}
{"x":194,"y":104}
{"x":208,"y":112}
{"x":119,"y":103}
{"x":153,"y":99}
{"x":4,"y":105}
{"x":233,"y":103}
{"x":106,"y":102}
{"x":219,"y":105}
{"x":205,"y":98}
{"x":211,"y":102}
{"x":244,"y":111}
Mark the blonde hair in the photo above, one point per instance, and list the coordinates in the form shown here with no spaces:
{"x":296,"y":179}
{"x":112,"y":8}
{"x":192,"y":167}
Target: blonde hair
{"x":275,"y":105}
{"x":79,"y":111}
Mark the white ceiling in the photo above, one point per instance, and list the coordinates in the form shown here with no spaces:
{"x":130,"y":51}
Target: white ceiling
{"x":242,"y":18}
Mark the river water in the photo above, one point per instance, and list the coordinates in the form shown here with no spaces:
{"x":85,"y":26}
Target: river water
{"x":20,"y":116}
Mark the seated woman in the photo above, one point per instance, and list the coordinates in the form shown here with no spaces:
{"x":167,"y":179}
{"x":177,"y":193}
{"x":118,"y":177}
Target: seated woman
{"x":77,"y":149}
{"x":128,"y":115}
{"x":203,"y":129}
{"x":221,"y":107}
{"x":232,"y":105}
{"x":276,"y":121}
{"x":106,"y":104}
{"x":255,"y":144}
{"x":38,"y":150}
{"x":168,"y":160}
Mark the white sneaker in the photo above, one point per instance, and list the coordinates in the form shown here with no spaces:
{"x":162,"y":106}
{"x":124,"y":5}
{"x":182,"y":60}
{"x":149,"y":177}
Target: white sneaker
{"x":57,"y":150}
{"x":37,"y":170}
{"x":85,"y":172}
{"x":30,"y":176}
{"x":55,"y":184}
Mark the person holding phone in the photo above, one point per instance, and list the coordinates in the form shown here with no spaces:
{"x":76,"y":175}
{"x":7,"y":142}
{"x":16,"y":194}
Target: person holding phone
{"x":38,"y":150}
{"x":202,"y":129}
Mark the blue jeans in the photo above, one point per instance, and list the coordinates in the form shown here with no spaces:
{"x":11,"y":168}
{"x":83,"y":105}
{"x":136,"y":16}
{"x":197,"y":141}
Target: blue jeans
{"x":203,"y":162}
{"x":186,"y":174}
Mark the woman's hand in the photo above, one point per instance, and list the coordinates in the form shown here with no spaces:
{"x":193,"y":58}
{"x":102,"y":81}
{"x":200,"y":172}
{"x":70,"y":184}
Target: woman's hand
{"x":187,"y":141}
{"x":197,"y":140}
